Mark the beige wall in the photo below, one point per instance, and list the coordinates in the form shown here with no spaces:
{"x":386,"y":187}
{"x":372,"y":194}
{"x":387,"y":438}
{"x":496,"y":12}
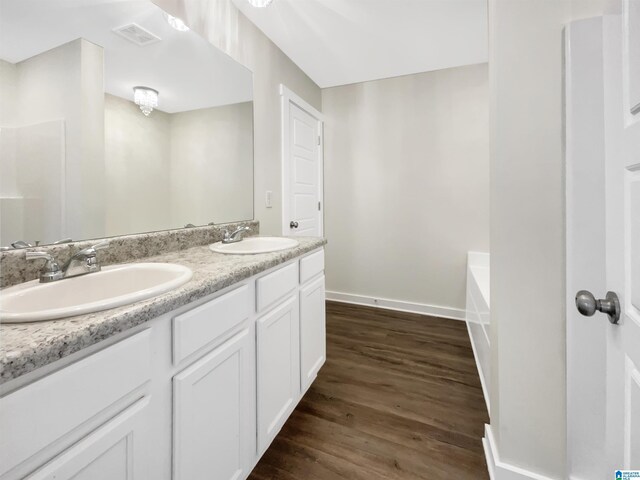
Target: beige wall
{"x":528,"y":394}
{"x":407,"y":184}
{"x":222,"y":23}
{"x":137,"y":167}
{"x":167,"y":170}
{"x":212,"y":165}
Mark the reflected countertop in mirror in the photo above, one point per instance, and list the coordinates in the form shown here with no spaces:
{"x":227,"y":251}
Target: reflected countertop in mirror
{"x":83,"y":156}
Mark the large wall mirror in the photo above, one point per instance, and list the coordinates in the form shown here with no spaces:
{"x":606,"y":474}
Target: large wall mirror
{"x":85,"y":154}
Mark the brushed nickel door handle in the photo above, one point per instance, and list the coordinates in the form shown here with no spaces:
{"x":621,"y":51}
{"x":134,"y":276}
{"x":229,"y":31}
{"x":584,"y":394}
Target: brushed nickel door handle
{"x":587,"y":305}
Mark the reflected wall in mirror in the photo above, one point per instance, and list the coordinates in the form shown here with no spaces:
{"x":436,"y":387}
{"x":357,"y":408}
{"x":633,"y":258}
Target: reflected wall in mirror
{"x":80,"y":159}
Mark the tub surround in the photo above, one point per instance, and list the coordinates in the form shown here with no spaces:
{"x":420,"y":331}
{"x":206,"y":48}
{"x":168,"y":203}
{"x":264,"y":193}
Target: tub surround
{"x":14,"y":269}
{"x":478,"y":315}
{"x":29,"y":346}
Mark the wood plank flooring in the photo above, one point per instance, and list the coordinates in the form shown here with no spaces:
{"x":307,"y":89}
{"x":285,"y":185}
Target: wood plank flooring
{"x":398,"y":398}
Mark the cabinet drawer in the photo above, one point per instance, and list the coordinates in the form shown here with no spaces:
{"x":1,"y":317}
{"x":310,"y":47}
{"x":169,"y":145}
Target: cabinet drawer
{"x":311,"y":265}
{"x":45,"y":416}
{"x":276,"y":285}
{"x":203,"y":325}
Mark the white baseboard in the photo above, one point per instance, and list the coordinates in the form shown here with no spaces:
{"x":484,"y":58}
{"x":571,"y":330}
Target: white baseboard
{"x":499,"y":470}
{"x":398,"y":305}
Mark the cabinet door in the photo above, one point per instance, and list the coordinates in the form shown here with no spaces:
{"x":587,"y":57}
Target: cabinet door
{"x":278,"y":368}
{"x":214,"y":413}
{"x":312,"y":331}
{"x":119,"y":450}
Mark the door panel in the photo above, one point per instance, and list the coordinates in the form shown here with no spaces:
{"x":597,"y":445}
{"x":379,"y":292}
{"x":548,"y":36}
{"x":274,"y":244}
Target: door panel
{"x":622,"y":174}
{"x":119,"y":450}
{"x":633,"y":225}
{"x":312,"y":331}
{"x":632,"y":420}
{"x":304,"y":175}
{"x":213,"y":431}
{"x":603,"y":172}
{"x":278,"y":368}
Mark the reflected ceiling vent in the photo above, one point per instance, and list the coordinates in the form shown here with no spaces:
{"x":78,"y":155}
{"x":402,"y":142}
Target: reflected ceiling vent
{"x":136,"y":34}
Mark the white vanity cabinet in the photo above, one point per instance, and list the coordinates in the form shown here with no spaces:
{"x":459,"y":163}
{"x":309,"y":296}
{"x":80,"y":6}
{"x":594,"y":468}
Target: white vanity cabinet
{"x":312,"y":331}
{"x":277,"y":368}
{"x":213,"y":428}
{"x":115,"y":451}
{"x":89,"y":420}
{"x":198,"y":393}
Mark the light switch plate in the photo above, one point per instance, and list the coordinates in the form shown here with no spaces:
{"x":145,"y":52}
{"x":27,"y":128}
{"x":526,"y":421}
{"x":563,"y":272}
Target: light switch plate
{"x":268,"y":199}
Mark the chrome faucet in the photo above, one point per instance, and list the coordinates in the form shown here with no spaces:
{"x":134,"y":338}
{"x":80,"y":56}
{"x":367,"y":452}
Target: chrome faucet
{"x":235,"y":236}
{"x":85,"y":261}
{"x":81,"y":263}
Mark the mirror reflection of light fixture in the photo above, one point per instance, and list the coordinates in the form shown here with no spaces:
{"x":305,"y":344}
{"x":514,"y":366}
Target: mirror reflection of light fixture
{"x":146,"y":98}
{"x":175,"y":22}
{"x":260,"y":3}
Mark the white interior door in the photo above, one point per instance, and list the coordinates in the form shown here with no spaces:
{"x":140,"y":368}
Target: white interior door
{"x":302,"y":168}
{"x":622,"y":173}
{"x":603,"y":239}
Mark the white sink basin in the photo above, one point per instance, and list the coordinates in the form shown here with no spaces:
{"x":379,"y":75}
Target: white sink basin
{"x":251,"y":245}
{"x":112,"y":287}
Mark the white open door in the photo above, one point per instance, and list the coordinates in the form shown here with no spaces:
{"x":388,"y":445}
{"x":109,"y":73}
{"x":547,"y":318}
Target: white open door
{"x":603,"y":244}
{"x":622,"y":173}
{"x":302,"y":167}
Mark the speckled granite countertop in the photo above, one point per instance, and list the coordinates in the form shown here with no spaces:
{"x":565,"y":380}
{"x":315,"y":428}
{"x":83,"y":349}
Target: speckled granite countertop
{"x":27,"y":346}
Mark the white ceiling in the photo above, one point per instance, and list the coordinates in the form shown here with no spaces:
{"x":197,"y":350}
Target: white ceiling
{"x":187,"y":70}
{"x":338,"y":42}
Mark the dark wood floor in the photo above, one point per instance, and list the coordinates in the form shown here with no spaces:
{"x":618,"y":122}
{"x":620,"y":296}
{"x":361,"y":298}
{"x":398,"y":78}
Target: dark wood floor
{"x":398,"y":398}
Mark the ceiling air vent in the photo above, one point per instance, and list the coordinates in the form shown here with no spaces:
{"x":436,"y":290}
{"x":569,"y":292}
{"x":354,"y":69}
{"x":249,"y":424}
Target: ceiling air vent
{"x":136,"y":34}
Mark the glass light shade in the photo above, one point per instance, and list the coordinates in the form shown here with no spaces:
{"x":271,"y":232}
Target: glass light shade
{"x":260,"y":3}
{"x":176,"y":23}
{"x":146,"y":98}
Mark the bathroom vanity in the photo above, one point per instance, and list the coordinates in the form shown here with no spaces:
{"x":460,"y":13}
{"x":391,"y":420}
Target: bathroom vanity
{"x":192,"y":384}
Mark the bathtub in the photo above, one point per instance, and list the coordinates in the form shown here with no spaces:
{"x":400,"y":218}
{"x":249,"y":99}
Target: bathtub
{"x":478,"y":315}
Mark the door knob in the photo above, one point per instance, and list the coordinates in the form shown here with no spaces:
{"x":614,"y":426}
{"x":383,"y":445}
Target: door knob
{"x":293,"y":224}
{"x":588,"y":305}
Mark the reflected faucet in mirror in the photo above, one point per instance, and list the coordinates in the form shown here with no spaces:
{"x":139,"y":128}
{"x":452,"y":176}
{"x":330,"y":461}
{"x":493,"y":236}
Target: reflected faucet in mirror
{"x":21,"y":244}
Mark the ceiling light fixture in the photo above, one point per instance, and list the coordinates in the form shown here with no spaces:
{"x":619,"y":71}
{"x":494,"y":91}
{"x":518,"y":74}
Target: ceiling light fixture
{"x":146,"y":98}
{"x":175,"y":22}
{"x":260,"y":3}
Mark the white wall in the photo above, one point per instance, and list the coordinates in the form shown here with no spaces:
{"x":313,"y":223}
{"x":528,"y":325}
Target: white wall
{"x":65,"y":84}
{"x":528,"y":392}
{"x":407,"y":185}
{"x":167,"y":170}
{"x":212,"y":165}
{"x":8,"y":93}
{"x":222,"y":23}
{"x":137,"y":168}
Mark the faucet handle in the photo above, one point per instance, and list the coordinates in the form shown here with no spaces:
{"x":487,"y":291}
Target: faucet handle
{"x":21,"y":244}
{"x":51,"y":271}
{"x":63,"y":240}
{"x":37,"y":255}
